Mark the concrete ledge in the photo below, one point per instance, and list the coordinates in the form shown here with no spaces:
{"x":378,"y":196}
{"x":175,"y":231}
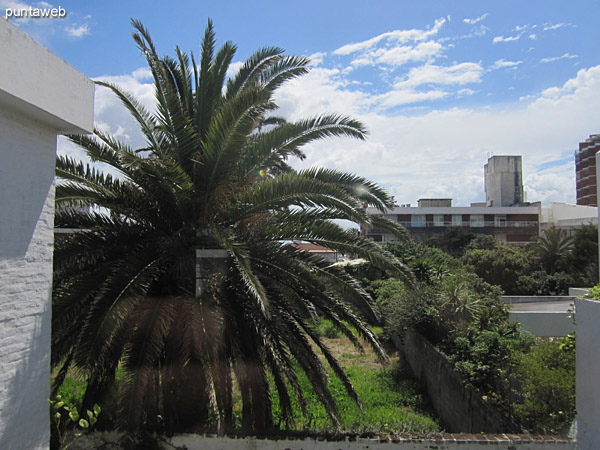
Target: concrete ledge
{"x":510,"y":299}
{"x":109,"y":441}
{"x":38,"y":84}
{"x":588,"y":373}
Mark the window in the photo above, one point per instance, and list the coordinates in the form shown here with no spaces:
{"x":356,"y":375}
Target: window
{"x":499,"y":221}
{"x":438,"y":220}
{"x":392,"y":217}
{"x":417,"y":220}
{"x":456,"y":220}
{"x":477,"y":220}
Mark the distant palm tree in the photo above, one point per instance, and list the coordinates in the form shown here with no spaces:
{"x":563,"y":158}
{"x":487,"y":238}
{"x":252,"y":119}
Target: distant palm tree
{"x":552,"y":248}
{"x":182,"y":274}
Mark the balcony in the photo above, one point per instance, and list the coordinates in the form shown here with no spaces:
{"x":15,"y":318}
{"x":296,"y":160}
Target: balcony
{"x":487,"y":226}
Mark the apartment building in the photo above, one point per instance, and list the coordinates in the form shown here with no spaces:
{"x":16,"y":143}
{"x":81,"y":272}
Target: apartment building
{"x":585,"y":171}
{"x":505,"y":214}
{"x":515,"y":225}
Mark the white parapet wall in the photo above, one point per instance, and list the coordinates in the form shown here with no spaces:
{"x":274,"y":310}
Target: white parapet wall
{"x":446,"y":441}
{"x":40,"y":98}
{"x":588,"y":374}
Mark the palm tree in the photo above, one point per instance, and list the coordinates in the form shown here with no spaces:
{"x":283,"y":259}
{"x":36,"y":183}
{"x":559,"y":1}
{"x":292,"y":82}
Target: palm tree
{"x":553,"y":248}
{"x":182,"y":275}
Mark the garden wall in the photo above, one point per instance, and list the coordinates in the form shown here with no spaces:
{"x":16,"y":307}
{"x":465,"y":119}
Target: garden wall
{"x":588,"y":373}
{"x":460,"y":409}
{"x":40,"y":97}
{"x":107,"y":441}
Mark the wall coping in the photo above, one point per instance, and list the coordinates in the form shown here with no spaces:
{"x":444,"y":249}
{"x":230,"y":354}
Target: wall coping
{"x":110,"y":440}
{"x":36,"y":83}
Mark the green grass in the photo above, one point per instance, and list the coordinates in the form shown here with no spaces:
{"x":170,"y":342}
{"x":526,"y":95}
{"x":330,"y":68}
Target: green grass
{"x":390,"y":402}
{"x":389,"y":405}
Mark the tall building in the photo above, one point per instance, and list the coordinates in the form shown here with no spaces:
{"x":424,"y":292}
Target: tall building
{"x":505,"y":214}
{"x":504,"y":181}
{"x":585,"y":171}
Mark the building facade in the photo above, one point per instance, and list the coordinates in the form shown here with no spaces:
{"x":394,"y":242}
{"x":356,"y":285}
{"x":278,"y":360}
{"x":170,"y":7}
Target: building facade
{"x":515,"y":225}
{"x":505,"y":214}
{"x":504,"y":181}
{"x":585,"y":171}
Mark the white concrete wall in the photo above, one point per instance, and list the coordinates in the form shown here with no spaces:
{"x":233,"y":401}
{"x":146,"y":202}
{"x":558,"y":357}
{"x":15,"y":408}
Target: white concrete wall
{"x":27,"y":153}
{"x":40,"y":85}
{"x":588,"y":374}
{"x":109,"y":441}
{"x":544,"y":324}
{"x":40,"y":97}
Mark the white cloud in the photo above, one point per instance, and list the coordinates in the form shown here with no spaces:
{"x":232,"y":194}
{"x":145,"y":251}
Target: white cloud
{"x":397,"y":56}
{"x":476,"y":20}
{"x":466,"y":91}
{"x":550,"y":26}
{"x":508,"y":38}
{"x":405,"y":96}
{"x":399,"y":36}
{"x":78,"y":32}
{"x":233,"y":68}
{"x":416,"y":153}
{"x":460,"y":74}
{"x":443,"y":152}
{"x":316,"y":59}
{"x":501,"y":63}
{"x":557,"y":58}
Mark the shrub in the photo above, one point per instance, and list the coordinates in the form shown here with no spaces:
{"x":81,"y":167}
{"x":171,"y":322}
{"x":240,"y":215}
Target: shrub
{"x":542,"y":283}
{"x":548,"y":378}
{"x":594,"y":293}
{"x":501,"y":266}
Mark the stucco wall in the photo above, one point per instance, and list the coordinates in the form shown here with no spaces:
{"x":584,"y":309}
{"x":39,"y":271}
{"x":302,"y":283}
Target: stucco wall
{"x":27,"y":153}
{"x":544,"y":323}
{"x":40,"y":97}
{"x":588,"y":374}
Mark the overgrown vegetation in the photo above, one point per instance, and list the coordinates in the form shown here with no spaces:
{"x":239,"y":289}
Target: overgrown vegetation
{"x":549,"y":266}
{"x":391,"y":402}
{"x":547,"y":376}
{"x":457,"y":306}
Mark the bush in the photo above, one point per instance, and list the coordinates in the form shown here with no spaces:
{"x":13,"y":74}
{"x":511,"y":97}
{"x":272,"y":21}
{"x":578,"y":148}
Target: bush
{"x":328,"y":329}
{"x":501,"y":266}
{"x":594,"y":293}
{"x":548,"y":378}
{"x":542,"y":283}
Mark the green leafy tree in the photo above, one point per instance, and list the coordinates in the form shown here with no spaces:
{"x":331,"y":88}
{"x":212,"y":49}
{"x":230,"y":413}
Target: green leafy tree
{"x":501,"y":265}
{"x":548,"y":379}
{"x":181,"y":274}
{"x":553,"y":249}
{"x":583,"y":260}
{"x":453,"y":241}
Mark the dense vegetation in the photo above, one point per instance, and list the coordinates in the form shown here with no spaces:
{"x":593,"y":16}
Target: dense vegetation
{"x":549,"y":266}
{"x":457,"y":305}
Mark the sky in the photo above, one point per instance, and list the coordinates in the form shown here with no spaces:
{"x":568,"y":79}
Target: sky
{"x":441,"y":86}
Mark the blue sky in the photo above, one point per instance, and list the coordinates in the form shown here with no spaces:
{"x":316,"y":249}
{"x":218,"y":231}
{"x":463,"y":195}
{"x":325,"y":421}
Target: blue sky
{"x":440,"y":85}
